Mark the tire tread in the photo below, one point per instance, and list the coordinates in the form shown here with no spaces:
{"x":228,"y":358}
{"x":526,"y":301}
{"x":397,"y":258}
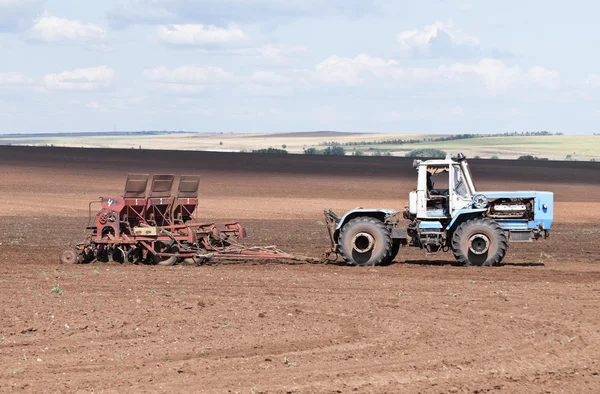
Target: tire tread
{"x":482,"y":221}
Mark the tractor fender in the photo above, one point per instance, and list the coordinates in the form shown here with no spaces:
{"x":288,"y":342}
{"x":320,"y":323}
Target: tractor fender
{"x":380,"y":214}
{"x":463,"y":214}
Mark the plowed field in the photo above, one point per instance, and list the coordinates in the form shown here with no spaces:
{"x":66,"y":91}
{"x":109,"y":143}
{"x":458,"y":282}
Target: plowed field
{"x":422,"y":324}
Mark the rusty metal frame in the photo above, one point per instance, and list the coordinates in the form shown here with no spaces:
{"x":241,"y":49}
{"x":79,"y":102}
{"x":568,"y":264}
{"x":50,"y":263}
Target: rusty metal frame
{"x":113,"y":228}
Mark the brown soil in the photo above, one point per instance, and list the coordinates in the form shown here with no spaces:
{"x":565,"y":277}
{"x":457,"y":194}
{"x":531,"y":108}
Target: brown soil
{"x":420,"y":325}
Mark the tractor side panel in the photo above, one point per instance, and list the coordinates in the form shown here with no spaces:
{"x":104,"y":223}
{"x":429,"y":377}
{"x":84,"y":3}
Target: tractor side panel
{"x":544,"y":209}
{"x":466,"y":212}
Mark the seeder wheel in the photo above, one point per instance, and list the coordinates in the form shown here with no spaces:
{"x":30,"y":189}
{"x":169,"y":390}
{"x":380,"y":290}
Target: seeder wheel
{"x":116,"y":255}
{"x":194,"y":260}
{"x":68,"y":257}
{"x":168,"y":260}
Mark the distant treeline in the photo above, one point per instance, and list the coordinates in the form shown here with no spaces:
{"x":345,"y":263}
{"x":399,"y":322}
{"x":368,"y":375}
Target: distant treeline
{"x":400,"y":141}
{"x":330,"y":151}
{"x":93,"y":134}
{"x":271,"y":151}
{"x":530,"y":157}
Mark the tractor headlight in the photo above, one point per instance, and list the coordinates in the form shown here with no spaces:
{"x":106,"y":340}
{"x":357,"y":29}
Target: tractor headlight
{"x":480,"y":201}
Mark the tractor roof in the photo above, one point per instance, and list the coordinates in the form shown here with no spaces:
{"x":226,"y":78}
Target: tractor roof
{"x":440,"y":162}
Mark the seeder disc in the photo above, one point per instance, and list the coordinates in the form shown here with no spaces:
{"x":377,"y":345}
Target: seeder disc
{"x":68,"y":257}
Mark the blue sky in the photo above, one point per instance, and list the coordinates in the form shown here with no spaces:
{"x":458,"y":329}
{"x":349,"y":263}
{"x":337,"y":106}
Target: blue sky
{"x":428,"y":66}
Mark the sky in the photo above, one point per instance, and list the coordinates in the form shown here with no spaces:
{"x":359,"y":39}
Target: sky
{"x":426,"y":66}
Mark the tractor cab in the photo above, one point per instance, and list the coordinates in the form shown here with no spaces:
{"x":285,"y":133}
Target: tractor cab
{"x":443,"y":188}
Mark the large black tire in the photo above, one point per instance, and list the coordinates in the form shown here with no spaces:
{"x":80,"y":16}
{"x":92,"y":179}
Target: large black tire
{"x":393,"y":252}
{"x":365,"y":241}
{"x":479,"y":242}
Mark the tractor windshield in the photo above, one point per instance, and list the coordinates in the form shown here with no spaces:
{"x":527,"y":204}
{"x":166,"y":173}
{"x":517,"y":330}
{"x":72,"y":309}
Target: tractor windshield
{"x":437,"y":180}
{"x":460,"y":186}
{"x":468,"y":176}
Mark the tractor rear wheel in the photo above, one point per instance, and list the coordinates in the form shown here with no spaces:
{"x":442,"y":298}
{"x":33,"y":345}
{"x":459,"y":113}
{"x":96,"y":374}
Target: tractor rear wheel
{"x":393,"y":252}
{"x":365,"y":241}
{"x":479,"y":242}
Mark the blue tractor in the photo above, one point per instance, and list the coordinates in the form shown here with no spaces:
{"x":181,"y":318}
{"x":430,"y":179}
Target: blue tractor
{"x":476,"y":226}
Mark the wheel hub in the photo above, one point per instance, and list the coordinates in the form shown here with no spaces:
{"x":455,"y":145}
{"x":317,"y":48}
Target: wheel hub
{"x":363,"y":242}
{"x":479,"y":244}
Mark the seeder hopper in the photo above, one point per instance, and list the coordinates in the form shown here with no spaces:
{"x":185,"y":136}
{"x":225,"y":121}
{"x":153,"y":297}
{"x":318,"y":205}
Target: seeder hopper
{"x":159,"y":227}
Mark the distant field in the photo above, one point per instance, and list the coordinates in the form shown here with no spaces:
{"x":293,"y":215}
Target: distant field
{"x":578,"y":147}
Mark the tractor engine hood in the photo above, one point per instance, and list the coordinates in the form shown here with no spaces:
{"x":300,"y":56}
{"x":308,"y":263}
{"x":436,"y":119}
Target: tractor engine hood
{"x":543,"y":206}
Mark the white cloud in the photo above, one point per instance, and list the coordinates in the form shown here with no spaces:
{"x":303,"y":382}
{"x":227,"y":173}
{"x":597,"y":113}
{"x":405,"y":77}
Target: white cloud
{"x":274,"y":55}
{"x":50,"y":28}
{"x":494,"y":75}
{"x":544,"y":77}
{"x":230,"y":40}
{"x":201,"y":35}
{"x":187,"y":74}
{"x":438,"y":39}
{"x":353,"y":71}
{"x":14,"y":78}
{"x":83,"y":79}
{"x":217,"y":12}
{"x":187,"y":79}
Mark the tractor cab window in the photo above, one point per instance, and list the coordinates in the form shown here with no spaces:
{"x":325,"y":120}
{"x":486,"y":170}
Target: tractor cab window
{"x":460,"y":186}
{"x":437,"y":181}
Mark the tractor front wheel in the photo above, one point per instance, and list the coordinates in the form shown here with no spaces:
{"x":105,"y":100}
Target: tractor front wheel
{"x":365,"y":241}
{"x":479,"y":242}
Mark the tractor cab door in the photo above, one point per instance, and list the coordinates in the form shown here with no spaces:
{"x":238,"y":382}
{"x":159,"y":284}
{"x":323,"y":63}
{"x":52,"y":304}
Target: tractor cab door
{"x":459,"y":194}
{"x":434,"y":191}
